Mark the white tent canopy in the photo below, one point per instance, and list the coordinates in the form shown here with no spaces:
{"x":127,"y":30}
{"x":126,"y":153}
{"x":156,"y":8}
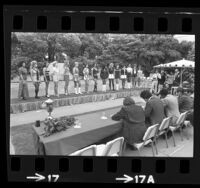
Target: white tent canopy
{"x":178,"y":64}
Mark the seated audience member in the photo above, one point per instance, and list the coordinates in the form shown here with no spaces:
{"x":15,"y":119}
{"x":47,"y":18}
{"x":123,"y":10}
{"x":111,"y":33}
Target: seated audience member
{"x":190,"y":93}
{"x":154,"y":109}
{"x":166,"y":86}
{"x":185,"y":104}
{"x":170,"y":103}
{"x":133,"y":117}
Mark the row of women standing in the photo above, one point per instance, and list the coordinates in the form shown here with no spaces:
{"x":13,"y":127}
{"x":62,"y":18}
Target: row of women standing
{"x":110,"y":73}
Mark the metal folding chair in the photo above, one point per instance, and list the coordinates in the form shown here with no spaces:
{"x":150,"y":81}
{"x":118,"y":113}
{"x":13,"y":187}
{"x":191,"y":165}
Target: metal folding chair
{"x":149,"y":137}
{"x":88,"y":151}
{"x":164,"y":128}
{"x":179,"y":125}
{"x":114,"y":147}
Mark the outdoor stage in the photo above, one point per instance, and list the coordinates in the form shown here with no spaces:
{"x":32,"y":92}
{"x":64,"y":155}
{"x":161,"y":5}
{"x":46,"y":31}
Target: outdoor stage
{"x":33,"y":104}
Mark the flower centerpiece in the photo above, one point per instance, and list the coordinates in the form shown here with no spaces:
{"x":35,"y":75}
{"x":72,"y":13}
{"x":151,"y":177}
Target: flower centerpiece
{"x":54,"y":125}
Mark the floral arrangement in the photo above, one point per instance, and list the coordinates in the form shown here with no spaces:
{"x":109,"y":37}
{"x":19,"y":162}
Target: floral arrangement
{"x":54,"y":125}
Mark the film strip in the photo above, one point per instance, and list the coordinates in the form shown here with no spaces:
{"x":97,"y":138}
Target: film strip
{"x":25,"y":168}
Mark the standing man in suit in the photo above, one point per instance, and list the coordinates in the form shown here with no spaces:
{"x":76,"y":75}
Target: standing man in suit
{"x":170,"y":103}
{"x":154,"y":109}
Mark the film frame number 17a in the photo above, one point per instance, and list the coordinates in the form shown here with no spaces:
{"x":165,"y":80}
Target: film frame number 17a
{"x":101,"y":94}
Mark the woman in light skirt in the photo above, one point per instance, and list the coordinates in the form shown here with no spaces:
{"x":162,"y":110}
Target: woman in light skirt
{"x":66,"y":74}
{"x":35,"y":77}
{"x":23,"y":86}
{"x":77,"y":83}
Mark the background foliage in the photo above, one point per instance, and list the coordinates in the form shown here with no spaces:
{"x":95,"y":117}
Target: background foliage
{"x":139,"y":49}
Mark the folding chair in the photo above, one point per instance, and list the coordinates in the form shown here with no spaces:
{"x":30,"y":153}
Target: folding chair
{"x":112,"y":148}
{"x":149,"y":137}
{"x":164,"y":128}
{"x":179,"y":125}
{"x":88,"y":151}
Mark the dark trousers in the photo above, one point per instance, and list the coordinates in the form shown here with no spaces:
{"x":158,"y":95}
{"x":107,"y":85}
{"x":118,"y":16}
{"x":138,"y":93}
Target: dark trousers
{"x":95,"y":84}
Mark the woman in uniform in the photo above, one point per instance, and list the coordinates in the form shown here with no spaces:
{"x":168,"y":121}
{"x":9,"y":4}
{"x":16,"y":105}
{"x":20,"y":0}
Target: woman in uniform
{"x":111,"y":76}
{"x":66,"y":73}
{"x":95,"y":76}
{"x":23,"y":86}
{"x":77,"y":83}
{"x":86,"y":72}
{"x":35,"y":77}
{"x":117,"y":76}
{"x":104,"y":77}
{"x":123,"y":76}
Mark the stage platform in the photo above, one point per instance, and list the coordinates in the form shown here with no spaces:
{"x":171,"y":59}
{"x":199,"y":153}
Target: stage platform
{"x":32,"y":104}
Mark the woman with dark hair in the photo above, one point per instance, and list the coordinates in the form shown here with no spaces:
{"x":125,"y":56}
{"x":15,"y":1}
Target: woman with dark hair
{"x":104,"y":77}
{"x":111,"y":76}
{"x":95,"y":76}
{"x":123,"y":76}
{"x":133,"y":121}
{"x":134,"y":76}
{"x":117,"y":72}
{"x":161,"y":81}
{"x":23,"y":86}
{"x":86,"y":72}
{"x":35,"y":77}
{"x":177,"y":78}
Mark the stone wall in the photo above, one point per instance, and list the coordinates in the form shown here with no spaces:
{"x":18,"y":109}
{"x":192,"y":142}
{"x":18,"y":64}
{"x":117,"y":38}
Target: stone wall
{"x":71,"y":100}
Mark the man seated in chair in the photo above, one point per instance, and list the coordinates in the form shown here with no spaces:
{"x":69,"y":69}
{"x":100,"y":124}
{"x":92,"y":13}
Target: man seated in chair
{"x":154,"y":109}
{"x":170,"y":103}
{"x":185,"y":104}
{"x":133,"y":124}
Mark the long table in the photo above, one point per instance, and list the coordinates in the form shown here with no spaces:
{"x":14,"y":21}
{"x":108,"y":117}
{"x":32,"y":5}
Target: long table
{"x":93,"y":130}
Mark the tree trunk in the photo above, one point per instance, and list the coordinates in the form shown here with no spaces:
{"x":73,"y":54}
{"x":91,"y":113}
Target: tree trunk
{"x":51,"y":51}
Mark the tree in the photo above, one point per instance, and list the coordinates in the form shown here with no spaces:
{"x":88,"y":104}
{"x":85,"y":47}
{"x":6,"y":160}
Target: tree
{"x":140,"y":49}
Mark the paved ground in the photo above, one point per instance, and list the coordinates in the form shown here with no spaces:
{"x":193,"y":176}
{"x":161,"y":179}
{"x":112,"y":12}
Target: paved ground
{"x":182,"y":149}
{"x":14,"y":88}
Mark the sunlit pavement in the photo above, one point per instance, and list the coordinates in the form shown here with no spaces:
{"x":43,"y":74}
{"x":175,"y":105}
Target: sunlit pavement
{"x":182,"y":149}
